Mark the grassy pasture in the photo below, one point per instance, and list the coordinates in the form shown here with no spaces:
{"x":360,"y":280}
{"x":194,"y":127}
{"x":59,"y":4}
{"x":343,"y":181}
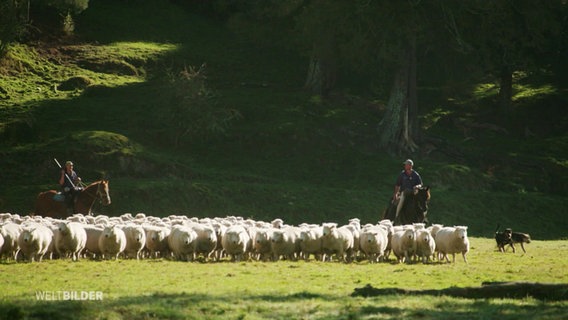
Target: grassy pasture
{"x":283,"y":290}
{"x":291,"y":155}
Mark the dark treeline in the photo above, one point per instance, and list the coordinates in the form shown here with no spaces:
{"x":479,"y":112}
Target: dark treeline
{"x":395,"y":46}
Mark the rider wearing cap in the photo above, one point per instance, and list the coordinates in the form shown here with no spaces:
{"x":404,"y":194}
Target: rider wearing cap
{"x":69,"y":181}
{"x":408,"y":180}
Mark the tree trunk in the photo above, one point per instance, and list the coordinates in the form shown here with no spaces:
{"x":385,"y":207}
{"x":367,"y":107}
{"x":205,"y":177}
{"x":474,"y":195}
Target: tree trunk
{"x":322,"y":70}
{"x":506,"y":90}
{"x":398,"y":130}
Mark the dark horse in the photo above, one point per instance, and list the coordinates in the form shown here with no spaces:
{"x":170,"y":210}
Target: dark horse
{"x":414,"y":208}
{"x":46,"y":206}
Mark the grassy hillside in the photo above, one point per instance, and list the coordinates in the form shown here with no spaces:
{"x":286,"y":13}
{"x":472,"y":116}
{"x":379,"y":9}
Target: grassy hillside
{"x":105,"y":98}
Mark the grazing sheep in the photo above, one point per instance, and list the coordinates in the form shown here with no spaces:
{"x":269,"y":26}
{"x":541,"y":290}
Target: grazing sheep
{"x":10,"y":232}
{"x":157,"y":241}
{"x":338,"y":241}
{"x":425,"y":245}
{"x":373,"y":242}
{"x":236,"y":242}
{"x":404,"y":244}
{"x":92,"y":245}
{"x":112,"y":242}
{"x":452,"y":240}
{"x":70,"y":239}
{"x":182,"y":242}
{"x":311,"y":242}
{"x":34,"y":241}
{"x":135,"y":240}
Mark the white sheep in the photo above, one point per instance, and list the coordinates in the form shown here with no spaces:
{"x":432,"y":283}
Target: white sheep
{"x":206,"y":240}
{"x":10,"y":232}
{"x":262,"y":247}
{"x":135,"y":240}
{"x":112,"y":242}
{"x":388,"y":226}
{"x":434,"y":229}
{"x":70,"y":239}
{"x":277,"y":223}
{"x":285,"y":243}
{"x":157,"y":240}
{"x":93,"y":235}
{"x":403,"y":244}
{"x":373,"y":242}
{"x":182,"y":242}
{"x":338,"y":241}
{"x":219,"y":232}
{"x":34,"y":241}
{"x":425,"y":245}
{"x":236,"y":242}
{"x":311,"y":242}
{"x":1,"y":243}
{"x":452,"y":240}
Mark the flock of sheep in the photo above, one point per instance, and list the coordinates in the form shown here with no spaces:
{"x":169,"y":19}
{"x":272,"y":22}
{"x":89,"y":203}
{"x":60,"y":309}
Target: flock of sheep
{"x":178,"y":237}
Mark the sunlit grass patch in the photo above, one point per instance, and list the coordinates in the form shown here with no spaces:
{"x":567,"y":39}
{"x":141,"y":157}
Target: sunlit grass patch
{"x":532,"y":92}
{"x":485,"y":90}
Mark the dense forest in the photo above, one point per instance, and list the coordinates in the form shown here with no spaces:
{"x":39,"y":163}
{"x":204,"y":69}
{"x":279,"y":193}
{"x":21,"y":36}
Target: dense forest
{"x":297,"y":108}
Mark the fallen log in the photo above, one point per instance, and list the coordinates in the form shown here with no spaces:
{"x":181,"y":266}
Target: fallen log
{"x":512,"y":290}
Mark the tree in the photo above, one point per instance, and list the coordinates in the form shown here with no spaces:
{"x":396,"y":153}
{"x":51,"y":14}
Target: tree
{"x":12,"y":23}
{"x":503,"y":37}
{"x":319,"y":26}
{"x":67,"y":9}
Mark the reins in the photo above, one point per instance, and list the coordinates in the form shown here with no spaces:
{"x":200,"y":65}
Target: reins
{"x":98,"y":194}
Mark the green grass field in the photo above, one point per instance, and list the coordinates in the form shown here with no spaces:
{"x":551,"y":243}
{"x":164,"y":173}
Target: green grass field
{"x":149,"y":289}
{"x":107,"y":101}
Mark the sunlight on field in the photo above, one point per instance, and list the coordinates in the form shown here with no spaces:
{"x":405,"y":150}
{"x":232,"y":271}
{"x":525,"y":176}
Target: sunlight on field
{"x":122,"y":278}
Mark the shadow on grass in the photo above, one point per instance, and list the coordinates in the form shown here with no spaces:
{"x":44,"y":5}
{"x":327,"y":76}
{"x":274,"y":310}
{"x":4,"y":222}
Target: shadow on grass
{"x":275,"y":306}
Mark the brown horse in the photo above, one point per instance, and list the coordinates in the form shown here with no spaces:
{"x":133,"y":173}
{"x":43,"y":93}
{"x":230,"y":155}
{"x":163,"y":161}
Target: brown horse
{"x":414,"y":208}
{"x":46,"y":206}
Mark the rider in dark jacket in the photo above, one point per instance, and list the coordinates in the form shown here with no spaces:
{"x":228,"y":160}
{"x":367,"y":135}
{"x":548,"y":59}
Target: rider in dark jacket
{"x":407,"y":181}
{"x":69,"y":181}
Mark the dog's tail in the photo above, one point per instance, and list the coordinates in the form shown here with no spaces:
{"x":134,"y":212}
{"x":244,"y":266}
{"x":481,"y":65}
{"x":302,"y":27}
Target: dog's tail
{"x":498,"y":226}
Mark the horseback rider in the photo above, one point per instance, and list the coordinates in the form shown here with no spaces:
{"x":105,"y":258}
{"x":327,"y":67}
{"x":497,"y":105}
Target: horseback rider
{"x":69,"y":181}
{"x":408,"y":180}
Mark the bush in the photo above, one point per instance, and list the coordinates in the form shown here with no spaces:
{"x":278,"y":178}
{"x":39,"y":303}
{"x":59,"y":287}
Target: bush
{"x":193,"y":108}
